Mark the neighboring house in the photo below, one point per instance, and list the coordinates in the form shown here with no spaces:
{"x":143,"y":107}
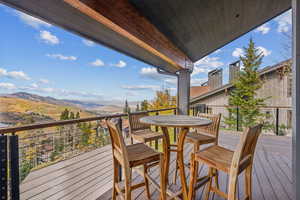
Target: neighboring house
{"x":277,"y":85}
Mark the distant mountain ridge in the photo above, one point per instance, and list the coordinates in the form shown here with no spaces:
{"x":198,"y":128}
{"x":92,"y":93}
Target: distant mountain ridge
{"x":66,"y":102}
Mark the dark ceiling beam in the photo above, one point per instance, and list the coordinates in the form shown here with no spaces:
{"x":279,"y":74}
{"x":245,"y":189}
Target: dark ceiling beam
{"x":121,"y":17}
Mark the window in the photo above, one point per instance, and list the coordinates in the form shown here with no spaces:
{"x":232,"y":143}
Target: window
{"x":289,"y":85}
{"x":289,"y":119}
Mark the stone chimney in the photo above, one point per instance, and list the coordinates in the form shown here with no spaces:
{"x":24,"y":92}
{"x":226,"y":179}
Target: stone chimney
{"x":215,"y":79}
{"x":234,"y":70}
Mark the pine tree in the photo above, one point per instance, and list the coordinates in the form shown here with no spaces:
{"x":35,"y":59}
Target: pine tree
{"x":126,"y":107}
{"x":137,"y":108}
{"x":64,"y":115}
{"x":243,"y":95}
{"x":72,"y":116}
{"x":144,"y":105}
{"x":77,"y":115}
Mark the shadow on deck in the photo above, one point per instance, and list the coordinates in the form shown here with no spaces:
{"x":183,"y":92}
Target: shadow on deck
{"x":89,"y":176}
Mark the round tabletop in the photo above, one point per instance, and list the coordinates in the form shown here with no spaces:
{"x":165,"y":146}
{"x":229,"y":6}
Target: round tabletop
{"x":175,"y":121}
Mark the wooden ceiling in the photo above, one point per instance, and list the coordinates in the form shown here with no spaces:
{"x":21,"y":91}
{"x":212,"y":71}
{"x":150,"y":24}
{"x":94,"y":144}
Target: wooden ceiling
{"x":169,"y":34}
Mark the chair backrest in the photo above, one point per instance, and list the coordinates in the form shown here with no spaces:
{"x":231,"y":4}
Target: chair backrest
{"x":117,"y":141}
{"x":134,"y":121}
{"x":213,"y":128}
{"x":245,"y":150}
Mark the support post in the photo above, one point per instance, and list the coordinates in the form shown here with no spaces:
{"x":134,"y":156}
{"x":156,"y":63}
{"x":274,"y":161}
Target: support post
{"x":237,"y":118}
{"x":296,"y":95}
{"x":14,"y":164}
{"x":277,"y":121}
{"x":183,"y":92}
{"x":3,"y":167}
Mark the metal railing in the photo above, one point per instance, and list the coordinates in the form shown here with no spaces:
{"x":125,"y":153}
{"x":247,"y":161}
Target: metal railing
{"x":277,"y":119}
{"x":30,"y":147}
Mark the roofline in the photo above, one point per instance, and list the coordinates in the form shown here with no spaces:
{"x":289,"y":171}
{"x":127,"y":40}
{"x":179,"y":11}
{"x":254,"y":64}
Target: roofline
{"x":263,"y":71}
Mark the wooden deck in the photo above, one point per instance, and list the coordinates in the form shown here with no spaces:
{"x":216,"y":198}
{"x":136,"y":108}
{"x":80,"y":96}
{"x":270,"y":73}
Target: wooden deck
{"x":89,"y":176}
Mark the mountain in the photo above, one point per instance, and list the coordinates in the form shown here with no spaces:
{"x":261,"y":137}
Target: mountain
{"x":66,"y":102}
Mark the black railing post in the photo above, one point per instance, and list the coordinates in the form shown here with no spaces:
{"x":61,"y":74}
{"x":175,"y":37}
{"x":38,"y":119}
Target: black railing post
{"x":277,"y":121}
{"x":14,"y":167}
{"x":237,"y":118}
{"x":3,"y":168}
{"x":174,"y":129}
{"x":120,"y":167}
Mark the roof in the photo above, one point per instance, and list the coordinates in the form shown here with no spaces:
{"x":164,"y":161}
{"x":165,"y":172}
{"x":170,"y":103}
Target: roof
{"x":263,"y":71}
{"x":169,"y":34}
{"x":198,"y":90}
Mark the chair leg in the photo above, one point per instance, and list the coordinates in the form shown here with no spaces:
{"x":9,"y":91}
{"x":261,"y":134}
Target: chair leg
{"x":232,"y":187}
{"x":146,"y":182}
{"x":216,"y":179}
{"x":128,"y":188}
{"x":208,"y":186}
{"x":193,"y":177}
{"x":115,"y":179}
{"x":248,"y":182}
{"x":163,"y":186}
{"x":175,"y":173}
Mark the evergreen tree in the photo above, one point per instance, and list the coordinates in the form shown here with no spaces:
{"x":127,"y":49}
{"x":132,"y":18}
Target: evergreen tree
{"x":243,"y":95}
{"x":72,"y":116}
{"x":77,"y":115}
{"x":64,"y":115}
{"x":144,"y":105}
{"x":126,"y":107}
{"x":137,"y":108}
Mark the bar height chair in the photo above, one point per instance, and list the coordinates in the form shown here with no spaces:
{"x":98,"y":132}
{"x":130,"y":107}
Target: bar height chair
{"x":205,"y":135}
{"x":131,"y":156}
{"x":141,"y":132}
{"x":230,"y":162}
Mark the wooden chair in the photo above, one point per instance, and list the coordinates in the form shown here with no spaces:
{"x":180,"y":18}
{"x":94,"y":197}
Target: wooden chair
{"x":204,"y":135}
{"x":129,"y":157}
{"x":141,"y":132}
{"x":230,"y":162}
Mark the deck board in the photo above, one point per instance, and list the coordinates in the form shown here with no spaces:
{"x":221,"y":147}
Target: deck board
{"x":89,"y":176}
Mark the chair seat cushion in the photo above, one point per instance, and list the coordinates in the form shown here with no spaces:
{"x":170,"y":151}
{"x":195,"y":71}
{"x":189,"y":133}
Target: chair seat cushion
{"x":146,"y":135}
{"x":199,"y":138}
{"x":141,"y":154}
{"x":216,"y":156}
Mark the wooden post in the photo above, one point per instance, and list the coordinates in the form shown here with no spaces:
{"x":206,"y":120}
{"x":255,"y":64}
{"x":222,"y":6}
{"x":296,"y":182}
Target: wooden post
{"x":296,"y":95}
{"x":183,"y":91}
{"x":237,"y":118}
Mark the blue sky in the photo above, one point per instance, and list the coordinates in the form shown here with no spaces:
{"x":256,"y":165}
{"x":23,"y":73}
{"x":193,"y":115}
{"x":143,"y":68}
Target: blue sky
{"x":43,"y":59}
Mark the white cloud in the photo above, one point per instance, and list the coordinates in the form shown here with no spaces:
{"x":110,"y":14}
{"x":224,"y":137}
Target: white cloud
{"x":238,"y":52}
{"x":120,"y":64}
{"x":141,"y":87}
{"x":198,"y":81}
{"x":14,"y":74}
{"x":265,"y":51}
{"x":97,"y":63}
{"x":206,"y":64}
{"x":88,"y":43}
{"x":62,"y":57}
{"x":217,"y":51}
{"x":263,"y":29}
{"x":7,"y":86}
{"x":32,"y":21}
{"x":44,"y":81}
{"x":151,"y":73}
{"x":48,"y":37}
{"x":284,"y":22}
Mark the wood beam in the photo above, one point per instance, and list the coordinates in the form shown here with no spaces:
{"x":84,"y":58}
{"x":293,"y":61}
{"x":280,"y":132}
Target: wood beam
{"x":123,"y":18}
{"x":296,"y":96}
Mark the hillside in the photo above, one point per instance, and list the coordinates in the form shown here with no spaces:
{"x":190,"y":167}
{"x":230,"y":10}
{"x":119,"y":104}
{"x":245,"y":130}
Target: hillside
{"x":14,"y":109}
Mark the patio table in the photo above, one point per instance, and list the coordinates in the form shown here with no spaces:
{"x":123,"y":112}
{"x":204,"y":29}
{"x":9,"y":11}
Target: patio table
{"x":184,"y":122}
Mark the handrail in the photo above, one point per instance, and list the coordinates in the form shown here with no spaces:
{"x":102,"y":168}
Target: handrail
{"x":228,"y":106}
{"x":15,"y":129}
